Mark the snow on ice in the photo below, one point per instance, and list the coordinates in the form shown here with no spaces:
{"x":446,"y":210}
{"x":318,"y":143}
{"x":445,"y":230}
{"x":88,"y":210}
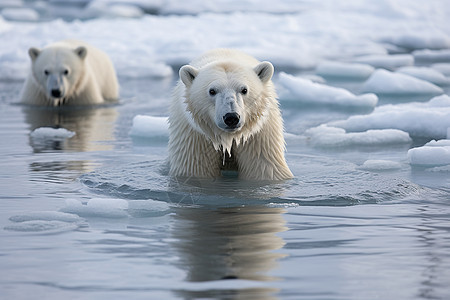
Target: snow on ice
{"x":389,"y":62}
{"x":306,"y":91}
{"x":326,"y":136}
{"x":434,"y":153}
{"x":386,"y":82}
{"x":427,"y":74}
{"x":344,"y":70}
{"x":380,"y":165}
{"x":430,"y":119}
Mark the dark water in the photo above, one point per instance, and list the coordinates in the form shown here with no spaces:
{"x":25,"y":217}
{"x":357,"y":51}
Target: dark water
{"x":96,"y":216}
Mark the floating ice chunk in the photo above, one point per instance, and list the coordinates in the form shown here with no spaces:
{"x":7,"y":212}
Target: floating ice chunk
{"x":97,"y":207}
{"x":325,"y":136}
{"x":46,"y":216}
{"x":150,"y":127}
{"x":430,"y":119}
{"x":430,"y":56}
{"x":385,"y":82}
{"x":425,"y":73}
{"x":44,"y":221}
{"x":306,"y":91}
{"x":434,"y":153}
{"x":39,"y":226}
{"x":51,"y":133}
{"x":380,"y":165}
{"x":389,"y":62}
{"x":439,"y":169}
{"x":444,"y":68}
{"x":344,"y":70}
{"x":147,"y":208}
{"x":430,"y":40}
{"x":20,"y":14}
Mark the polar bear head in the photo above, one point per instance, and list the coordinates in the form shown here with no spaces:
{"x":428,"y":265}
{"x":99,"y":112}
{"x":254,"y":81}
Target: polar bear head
{"x":58,"y":71}
{"x":227,"y":100}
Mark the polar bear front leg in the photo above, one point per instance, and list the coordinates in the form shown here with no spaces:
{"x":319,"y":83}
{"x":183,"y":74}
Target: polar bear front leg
{"x":262,"y":159}
{"x":191,"y":154}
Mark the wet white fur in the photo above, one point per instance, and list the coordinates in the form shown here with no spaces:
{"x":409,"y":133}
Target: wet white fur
{"x":91,"y":78}
{"x":197,"y":144}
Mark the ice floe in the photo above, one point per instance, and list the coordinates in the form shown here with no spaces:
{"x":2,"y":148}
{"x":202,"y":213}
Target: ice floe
{"x":444,"y":68}
{"x":305,"y":91}
{"x":97,"y":207}
{"x":434,"y":153}
{"x":427,"y":74}
{"x":115,"y":208}
{"x":44,"y":221}
{"x":326,"y":136}
{"x":150,"y":127}
{"x":419,"y":40}
{"x":389,"y":62}
{"x":344,"y":70}
{"x":51,"y":133}
{"x":429,"y":119}
{"x":430,"y":56}
{"x":380,"y":165}
{"x":389,"y":83}
{"x":19,"y":14}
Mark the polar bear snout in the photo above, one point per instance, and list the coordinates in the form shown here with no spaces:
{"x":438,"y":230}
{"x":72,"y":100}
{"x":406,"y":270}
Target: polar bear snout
{"x":55,"y":86}
{"x":56,"y":93}
{"x":231,"y":120}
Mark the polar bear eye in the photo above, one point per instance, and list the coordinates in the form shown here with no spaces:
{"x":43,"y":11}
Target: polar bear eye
{"x":66,"y":72}
{"x":244,"y":91}
{"x":212,"y":92}
{"x":46,"y":72}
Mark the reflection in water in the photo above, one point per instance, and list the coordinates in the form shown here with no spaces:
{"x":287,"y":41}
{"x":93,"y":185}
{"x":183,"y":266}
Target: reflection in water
{"x":93,"y":127}
{"x":59,"y":171}
{"x":228,"y":243}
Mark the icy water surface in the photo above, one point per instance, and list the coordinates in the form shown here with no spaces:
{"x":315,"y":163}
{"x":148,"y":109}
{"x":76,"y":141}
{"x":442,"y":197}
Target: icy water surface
{"x":95,"y":216}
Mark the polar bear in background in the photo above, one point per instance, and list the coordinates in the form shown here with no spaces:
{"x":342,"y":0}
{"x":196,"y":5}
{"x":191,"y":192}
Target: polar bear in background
{"x":69,"y":73}
{"x":224,"y":115}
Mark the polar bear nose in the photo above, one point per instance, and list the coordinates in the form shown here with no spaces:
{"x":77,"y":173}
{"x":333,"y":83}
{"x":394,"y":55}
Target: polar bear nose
{"x":231,"y":119}
{"x":56,"y":93}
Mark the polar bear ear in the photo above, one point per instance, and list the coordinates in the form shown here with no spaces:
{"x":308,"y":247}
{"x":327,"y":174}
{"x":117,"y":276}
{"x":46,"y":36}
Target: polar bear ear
{"x":81,"y":52}
{"x":188,"y":74}
{"x":33,"y":53}
{"x":264,"y":70}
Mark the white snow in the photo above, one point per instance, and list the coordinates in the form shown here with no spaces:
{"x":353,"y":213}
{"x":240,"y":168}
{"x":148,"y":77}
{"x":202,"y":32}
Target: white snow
{"x":344,"y":70}
{"x":389,"y":62}
{"x":51,"y":133}
{"x":386,"y":82}
{"x":430,"y":119}
{"x":326,"y":136}
{"x":306,"y":91}
{"x":427,"y":74}
{"x":150,"y":127}
{"x":434,"y":153}
{"x":380,"y":165}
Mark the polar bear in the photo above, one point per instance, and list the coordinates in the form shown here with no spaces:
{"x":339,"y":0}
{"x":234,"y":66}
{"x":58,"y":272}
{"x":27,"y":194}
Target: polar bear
{"x":69,"y":72}
{"x":224,"y":115}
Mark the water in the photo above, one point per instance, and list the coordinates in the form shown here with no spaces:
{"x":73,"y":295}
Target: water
{"x":97,"y":217}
